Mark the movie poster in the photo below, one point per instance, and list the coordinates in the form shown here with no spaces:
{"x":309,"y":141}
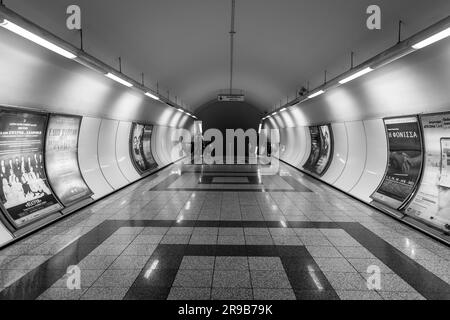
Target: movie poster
{"x":432,"y":201}
{"x":141,"y":147}
{"x":24,"y":191}
{"x":61,"y":158}
{"x":321,"y":149}
{"x":404,"y":163}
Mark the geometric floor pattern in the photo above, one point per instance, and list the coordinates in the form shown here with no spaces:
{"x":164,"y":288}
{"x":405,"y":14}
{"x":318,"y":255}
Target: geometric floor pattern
{"x":185,"y":234}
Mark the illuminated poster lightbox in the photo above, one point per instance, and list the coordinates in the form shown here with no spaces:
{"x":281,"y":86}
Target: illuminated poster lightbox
{"x":25,"y":193}
{"x":141,"y":148}
{"x":61,"y":158}
{"x":432,"y":201}
{"x":321,"y":149}
{"x":404,"y":164}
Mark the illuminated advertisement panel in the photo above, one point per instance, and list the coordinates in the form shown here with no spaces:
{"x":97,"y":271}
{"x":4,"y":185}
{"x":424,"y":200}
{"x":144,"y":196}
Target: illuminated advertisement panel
{"x":321,"y":149}
{"x":25,"y":193}
{"x":61,"y":159}
{"x":404,"y":163}
{"x":432,"y":200}
{"x":141,"y":148}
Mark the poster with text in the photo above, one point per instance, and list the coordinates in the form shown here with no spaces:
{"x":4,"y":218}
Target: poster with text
{"x":404,"y":163}
{"x":141,"y":148}
{"x":321,"y":149}
{"x":24,"y":191}
{"x":61,"y":159}
{"x":432,"y":201}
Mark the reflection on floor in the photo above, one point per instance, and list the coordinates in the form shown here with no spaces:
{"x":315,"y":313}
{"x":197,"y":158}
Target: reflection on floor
{"x":226,"y":232}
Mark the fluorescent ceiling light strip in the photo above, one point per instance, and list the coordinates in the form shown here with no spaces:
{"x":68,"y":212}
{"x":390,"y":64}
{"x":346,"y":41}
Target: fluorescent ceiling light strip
{"x":318,"y":93}
{"x":356,"y":75}
{"x":148,"y":94}
{"x":36,"y":39}
{"x":435,"y":38}
{"x":119,"y":80}
{"x":284,"y":109}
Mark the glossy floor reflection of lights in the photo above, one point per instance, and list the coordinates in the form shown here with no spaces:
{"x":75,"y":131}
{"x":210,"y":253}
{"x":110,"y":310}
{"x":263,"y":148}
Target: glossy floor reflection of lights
{"x":219,"y":232}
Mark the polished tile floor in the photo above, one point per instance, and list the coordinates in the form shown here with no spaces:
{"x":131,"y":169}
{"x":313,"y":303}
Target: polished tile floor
{"x":226,"y":232}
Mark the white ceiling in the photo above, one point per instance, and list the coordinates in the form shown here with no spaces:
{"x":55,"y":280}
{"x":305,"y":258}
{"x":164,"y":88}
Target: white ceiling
{"x":184,"y":44}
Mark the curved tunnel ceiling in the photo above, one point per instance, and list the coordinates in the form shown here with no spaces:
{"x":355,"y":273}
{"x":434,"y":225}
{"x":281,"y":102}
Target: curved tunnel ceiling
{"x":280,"y":45}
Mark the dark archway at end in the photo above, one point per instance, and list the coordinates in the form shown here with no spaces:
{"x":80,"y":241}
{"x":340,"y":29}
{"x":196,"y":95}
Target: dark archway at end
{"x":229,"y":115}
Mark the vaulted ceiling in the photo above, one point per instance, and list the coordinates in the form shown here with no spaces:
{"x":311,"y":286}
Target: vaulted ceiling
{"x":280,"y":45}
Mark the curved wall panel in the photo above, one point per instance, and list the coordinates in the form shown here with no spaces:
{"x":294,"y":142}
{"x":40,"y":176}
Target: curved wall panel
{"x":155,"y":135}
{"x":291,"y":149}
{"x":179,"y":139}
{"x":88,"y":158}
{"x":356,"y":159}
{"x":162,"y":147}
{"x":340,"y":153}
{"x":172,"y":146}
{"x":166,"y":145}
{"x":307,"y":137}
{"x":283,"y":146}
{"x":298,"y":146}
{"x":299,"y":142}
{"x":123,"y":152}
{"x":107,"y":154}
{"x":376,"y":160}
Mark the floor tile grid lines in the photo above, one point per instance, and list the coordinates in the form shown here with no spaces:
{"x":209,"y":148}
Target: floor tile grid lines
{"x":28,"y":286}
{"x":93,"y":286}
{"x":400,"y":263}
{"x":177,"y":193}
{"x":362,"y":274}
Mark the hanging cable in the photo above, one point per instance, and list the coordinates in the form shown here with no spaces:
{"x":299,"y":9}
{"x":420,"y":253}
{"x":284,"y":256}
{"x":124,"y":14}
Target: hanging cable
{"x":232,"y":33}
{"x":400,"y":25}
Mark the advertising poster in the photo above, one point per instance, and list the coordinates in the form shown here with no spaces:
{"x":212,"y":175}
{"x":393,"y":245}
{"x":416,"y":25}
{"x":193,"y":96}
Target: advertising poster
{"x":61,"y":159}
{"x":315,"y":149}
{"x":404,"y":163}
{"x":24,"y":192}
{"x":321,"y":149}
{"x":432,"y":200}
{"x":141,"y":147}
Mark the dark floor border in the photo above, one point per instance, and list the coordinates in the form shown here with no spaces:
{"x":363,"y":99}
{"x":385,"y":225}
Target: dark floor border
{"x":416,"y":225}
{"x":302,"y":271}
{"x":252,"y":180}
{"x":164,"y":185}
{"x":35,"y":282}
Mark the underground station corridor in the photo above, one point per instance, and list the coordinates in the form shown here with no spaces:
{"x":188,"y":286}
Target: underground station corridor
{"x":195,"y":151}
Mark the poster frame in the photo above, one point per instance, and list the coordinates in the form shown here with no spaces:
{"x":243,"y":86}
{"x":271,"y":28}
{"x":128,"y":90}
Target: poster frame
{"x":3,"y":210}
{"x":420,"y":116}
{"x":411,"y":196}
{"x":130,"y":150}
{"x":78,"y":159}
{"x":330,"y":160}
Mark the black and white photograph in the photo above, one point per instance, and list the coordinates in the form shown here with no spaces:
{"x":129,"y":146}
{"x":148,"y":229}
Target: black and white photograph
{"x":215,"y":159}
